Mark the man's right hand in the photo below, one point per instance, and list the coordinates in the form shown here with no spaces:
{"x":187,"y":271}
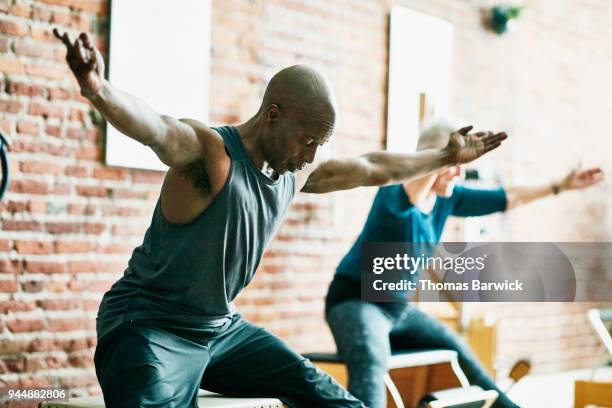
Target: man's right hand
{"x":85,"y":61}
{"x":464,"y":147}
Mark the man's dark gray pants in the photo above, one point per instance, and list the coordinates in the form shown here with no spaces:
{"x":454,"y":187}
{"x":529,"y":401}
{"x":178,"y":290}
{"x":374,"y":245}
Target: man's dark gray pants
{"x":145,"y":364}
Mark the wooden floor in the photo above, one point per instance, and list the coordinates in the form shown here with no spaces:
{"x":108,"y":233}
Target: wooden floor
{"x":553,"y":390}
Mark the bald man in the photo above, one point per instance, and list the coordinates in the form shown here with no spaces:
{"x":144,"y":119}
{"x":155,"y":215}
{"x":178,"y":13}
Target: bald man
{"x":168,"y":326}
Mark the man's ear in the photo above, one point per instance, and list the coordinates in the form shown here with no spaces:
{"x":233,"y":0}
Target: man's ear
{"x":272,"y":113}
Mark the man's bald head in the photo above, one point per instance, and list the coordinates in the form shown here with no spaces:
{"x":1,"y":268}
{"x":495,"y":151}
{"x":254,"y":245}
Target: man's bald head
{"x":305,"y":95}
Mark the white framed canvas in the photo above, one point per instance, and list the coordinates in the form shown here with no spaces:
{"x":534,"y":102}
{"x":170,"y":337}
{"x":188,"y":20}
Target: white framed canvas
{"x":420,"y":69}
{"x":160,"y":52}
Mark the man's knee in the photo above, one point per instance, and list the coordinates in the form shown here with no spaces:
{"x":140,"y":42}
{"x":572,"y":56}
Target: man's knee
{"x":140,"y":385}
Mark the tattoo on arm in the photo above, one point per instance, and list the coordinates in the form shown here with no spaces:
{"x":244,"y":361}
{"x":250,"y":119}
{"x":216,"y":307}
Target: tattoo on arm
{"x":196,"y":173}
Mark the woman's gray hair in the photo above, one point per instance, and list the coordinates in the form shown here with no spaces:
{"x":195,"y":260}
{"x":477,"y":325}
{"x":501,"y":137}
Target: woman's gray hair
{"x":435,"y":134}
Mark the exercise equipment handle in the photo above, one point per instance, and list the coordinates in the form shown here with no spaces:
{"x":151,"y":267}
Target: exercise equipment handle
{"x":4,"y":163}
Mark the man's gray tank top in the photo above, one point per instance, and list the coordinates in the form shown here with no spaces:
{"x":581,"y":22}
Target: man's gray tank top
{"x":189,"y":274}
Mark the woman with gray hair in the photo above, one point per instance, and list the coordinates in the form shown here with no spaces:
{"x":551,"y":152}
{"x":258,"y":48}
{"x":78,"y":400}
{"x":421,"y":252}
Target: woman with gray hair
{"x":416,"y":211}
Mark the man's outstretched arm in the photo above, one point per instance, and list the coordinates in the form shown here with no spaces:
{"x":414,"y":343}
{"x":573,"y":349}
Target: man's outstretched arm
{"x":382,"y":168}
{"x":174,"y":141}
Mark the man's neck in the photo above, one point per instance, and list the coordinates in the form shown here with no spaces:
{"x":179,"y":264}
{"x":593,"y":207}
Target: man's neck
{"x":249,"y":134}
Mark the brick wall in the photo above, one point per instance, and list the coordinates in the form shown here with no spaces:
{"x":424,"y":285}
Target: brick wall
{"x":69,"y":223}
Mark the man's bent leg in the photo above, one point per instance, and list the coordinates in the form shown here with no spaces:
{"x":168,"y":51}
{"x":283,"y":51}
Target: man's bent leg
{"x":247,"y":360}
{"x":361,"y":331}
{"x":140,"y":366}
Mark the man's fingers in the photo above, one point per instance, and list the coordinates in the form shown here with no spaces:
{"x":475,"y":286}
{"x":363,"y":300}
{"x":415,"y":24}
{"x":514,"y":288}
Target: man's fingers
{"x":63,"y":37}
{"x":464,"y":130}
{"x":494,"y":137}
{"x":491,"y":146}
{"x":86,"y":40}
{"x":79,"y":52}
{"x":56,"y":33}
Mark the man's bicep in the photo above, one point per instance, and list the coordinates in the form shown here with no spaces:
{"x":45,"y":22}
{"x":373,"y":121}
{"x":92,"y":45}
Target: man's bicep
{"x":187,"y":140}
{"x":337,"y":174}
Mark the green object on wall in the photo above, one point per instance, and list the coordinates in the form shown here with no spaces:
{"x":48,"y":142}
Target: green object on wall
{"x":502,"y":15}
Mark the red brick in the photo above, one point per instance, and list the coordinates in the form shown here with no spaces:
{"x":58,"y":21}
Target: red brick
{"x":58,"y":93}
{"x":58,"y":304}
{"x":81,"y":361}
{"x":154,"y":177}
{"x":91,"y":191}
{"x":42,"y":34}
{"x":62,"y":227}
{"x":13,"y":28}
{"x":123,"y":229}
{"x":46,"y":110}
{"x":45,"y":267}
{"x":4,"y":44}
{"x":65,"y":324}
{"x":12,"y":66}
{"x":60,"y":18}
{"x":33,"y":364}
{"x":81,"y":22}
{"x":41,"y":13}
{"x":56,"y":149}
{"x":37,"y":207}
{"x":45,"y":71}
{"x":76,"y":171}
{"x":128,"y":193}
{"x":70,"y":247}
{"x":110,"y":173}
{"x":88,"y":153}
{"x":57,"y":286}
{"x":9,"y":306}
{"x":91,"y":304}
{"x":29,"y":187}
{"x":37,"y":382}
{"x":5,"y":245}
{"x":83,"y":266}
{"x":94,"y":228}
{"x":5,"y":126}
{"x":13,"y":225}
{"x":21,"y":10}
{"x":78,"y":115}
{"x":39,"y":167}
{"x":31,"y":49}
{"x":56,"y":362}
{"x":21,"y":325}
{"x":61,"y":189}
{"x":26,"y":146}
{"x":52,"y":130}
{"x":11,"y":106}
{"x":93,"y":134}
{"x":12,"y":346}
{"x":28,"y":128}
{"x":76,"y":133}
{"x":33,"y":286}
{"x":82,"y":381}
{"x":43,"y":344}
{"x":8,"y":286}
{"x":115,"y":249}
{"x":22,"y":88}
{"x":33,"y":247}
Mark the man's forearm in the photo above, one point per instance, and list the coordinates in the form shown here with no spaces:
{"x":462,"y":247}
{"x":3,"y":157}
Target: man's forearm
{"x":130,"y":115}
{"x":390,"y":168}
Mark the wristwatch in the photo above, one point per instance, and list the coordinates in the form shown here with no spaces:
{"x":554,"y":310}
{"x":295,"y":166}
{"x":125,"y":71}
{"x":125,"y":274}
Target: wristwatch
{"x":556,"y":188}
